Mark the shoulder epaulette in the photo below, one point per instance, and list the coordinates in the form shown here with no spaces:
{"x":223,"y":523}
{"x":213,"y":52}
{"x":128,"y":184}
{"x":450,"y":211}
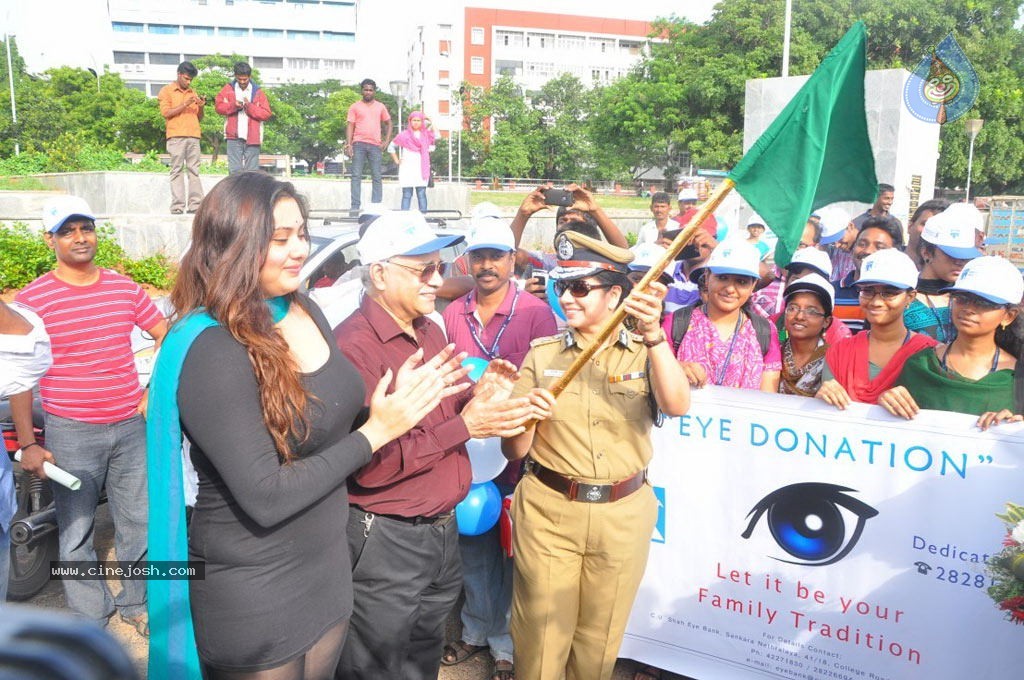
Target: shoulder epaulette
{"x":546,"y":340}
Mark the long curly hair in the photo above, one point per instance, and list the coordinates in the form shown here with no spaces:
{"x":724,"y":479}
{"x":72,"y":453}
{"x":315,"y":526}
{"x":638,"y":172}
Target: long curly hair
{"x":220,"y":273}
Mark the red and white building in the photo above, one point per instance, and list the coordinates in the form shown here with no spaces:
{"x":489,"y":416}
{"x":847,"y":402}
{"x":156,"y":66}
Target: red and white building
{"x":532,"y":47}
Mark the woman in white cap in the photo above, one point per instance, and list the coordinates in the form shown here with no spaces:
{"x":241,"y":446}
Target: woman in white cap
{"x":920,"y":217}
{"x":946,"y":245}
{"x":808,"y":261}
{"x":808,"y":313}
{"x":971,"y":374}
{"x":721,"y":343}
{"x":862,"y":367}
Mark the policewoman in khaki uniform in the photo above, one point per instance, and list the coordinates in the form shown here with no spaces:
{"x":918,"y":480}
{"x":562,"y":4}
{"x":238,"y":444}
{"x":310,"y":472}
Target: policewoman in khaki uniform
{"x":584,"y":513}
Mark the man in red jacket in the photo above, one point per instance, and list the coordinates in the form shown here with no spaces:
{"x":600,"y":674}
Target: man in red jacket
{"x":246,"y":107}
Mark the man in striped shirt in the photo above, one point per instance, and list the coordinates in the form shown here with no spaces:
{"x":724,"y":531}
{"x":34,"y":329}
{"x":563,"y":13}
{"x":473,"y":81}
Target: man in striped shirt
{"x":91,"y":396}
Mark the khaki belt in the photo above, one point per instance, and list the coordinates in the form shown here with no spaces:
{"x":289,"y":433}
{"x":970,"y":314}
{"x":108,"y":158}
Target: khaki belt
{"x":582,"y":491}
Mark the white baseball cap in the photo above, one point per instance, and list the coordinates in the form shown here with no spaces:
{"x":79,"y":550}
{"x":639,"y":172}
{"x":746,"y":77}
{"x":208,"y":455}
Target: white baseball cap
{"x":485,"y":209}
{"x":645,"y":255}
{"x":687,"y":195}
{"x":489,"y":232}
{"x":816,"y":259}
{"x":952,"y":230}
{"x":756,"y":219}
{"x":58,"y":210}
{"x":400,"y":232}
{"x":890,"y":267}
{"x":813,"y":283}
{"x":735,"y":256}
{"x":992,"y":278}
{"x":833,"y":221}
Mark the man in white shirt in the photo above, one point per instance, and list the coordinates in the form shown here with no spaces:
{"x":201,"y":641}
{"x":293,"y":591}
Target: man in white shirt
{"x":661,"y":206}
{"x":24,"y":358}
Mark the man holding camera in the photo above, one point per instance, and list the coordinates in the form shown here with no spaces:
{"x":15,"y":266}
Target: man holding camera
{"x":182,"y":109}
{"x":576,"y":210}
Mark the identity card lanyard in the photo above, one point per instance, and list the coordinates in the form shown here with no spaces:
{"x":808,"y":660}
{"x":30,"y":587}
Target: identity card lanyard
{"x":493,"y":352}
{"x":732,"y":344}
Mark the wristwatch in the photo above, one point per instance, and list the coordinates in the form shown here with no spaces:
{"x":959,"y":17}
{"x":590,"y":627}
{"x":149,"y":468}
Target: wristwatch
{"x":654,"y":343}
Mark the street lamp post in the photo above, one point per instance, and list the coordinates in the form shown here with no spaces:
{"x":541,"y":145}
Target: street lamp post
{"x":462,"y":93}
{"x":786,"y":31}
{"x":973,"y":128}
{"x":10,"y":81}
{"x":399,"y":88}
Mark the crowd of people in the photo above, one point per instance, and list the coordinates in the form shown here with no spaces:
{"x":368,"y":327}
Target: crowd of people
{"x":330,"y":461}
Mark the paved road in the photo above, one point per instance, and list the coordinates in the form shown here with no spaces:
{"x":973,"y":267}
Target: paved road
{"x":477,"y":668}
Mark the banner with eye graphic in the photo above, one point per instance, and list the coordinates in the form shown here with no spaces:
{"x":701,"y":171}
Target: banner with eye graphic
{"x":795,"y":540}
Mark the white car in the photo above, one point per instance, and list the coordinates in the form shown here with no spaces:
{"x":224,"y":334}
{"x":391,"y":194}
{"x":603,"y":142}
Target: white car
{"x":329,"y":275}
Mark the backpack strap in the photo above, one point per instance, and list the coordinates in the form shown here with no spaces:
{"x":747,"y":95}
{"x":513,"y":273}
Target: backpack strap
{"x":762,"y":329}
{"x":680,"y":324}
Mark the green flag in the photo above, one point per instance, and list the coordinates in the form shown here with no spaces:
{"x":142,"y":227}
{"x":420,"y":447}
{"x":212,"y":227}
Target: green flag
{"x":816,"y":151}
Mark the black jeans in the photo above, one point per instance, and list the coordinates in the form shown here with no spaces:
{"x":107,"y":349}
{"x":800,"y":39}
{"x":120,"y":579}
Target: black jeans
{"x":405,"y":581}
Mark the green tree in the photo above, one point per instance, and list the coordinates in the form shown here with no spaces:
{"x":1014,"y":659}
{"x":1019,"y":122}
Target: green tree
{"x":688,"y":94}
{"x":505,"y":131}
{"x":304,"y":130}
{"x":565,"y":147}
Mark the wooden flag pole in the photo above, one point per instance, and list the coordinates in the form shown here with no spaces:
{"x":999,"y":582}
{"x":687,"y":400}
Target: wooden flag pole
{"x":655,"y":271}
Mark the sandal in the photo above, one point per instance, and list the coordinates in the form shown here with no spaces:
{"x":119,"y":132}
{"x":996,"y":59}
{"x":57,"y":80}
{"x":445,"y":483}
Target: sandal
{"x":503,"y":670}
{"x":459,"y":651}
{"x":140,"y":623}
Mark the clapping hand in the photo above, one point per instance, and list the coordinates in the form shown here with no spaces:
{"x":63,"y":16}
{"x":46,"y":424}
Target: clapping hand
{"x":497,"y":381}
{"x":446,"y":364}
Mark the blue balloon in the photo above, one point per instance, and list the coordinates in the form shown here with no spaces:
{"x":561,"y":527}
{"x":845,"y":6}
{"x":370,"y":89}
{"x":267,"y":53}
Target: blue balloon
{"x":476,"y":366}
{"x":479,"y":510}
{"x":556,"y":305}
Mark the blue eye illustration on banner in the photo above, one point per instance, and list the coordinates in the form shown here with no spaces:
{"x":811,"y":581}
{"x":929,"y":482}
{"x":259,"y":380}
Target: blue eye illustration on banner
{"x":806,"y":521}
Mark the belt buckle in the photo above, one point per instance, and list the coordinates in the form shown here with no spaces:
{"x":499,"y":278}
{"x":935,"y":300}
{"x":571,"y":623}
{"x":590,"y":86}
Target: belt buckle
{"x":593,"y":493}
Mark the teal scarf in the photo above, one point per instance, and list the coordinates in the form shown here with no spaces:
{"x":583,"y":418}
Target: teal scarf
{"x":172,"y":647}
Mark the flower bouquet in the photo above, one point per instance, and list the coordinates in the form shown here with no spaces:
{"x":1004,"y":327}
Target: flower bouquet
{"x":1007,"y":566}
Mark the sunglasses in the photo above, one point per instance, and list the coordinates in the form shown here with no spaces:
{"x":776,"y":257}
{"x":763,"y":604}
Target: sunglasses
{"x":64,"y":232}
{"x":577,"y":288}
{"x":426,"y":272}
{"x":887,"y":293}
{"x":976,"y":301}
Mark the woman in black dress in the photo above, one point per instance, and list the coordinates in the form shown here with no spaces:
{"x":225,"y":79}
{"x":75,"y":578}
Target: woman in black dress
{"x":275,"y":415}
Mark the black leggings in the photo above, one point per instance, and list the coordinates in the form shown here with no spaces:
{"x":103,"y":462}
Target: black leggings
{"x":318,"y":663}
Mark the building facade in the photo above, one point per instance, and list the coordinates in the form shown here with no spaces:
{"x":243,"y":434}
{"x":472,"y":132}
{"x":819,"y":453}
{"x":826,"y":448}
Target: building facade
{"x":287,"y":40}
{"x":145,"y":40}
{"x":484,"y":44}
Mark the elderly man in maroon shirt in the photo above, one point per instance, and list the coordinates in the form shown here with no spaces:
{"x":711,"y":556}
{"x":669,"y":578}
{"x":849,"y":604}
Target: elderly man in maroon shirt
{"x":402,"y":533}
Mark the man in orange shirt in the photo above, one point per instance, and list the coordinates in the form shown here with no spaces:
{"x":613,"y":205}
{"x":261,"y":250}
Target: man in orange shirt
{"x":182,"y":110}
{"x":363,"y":142}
